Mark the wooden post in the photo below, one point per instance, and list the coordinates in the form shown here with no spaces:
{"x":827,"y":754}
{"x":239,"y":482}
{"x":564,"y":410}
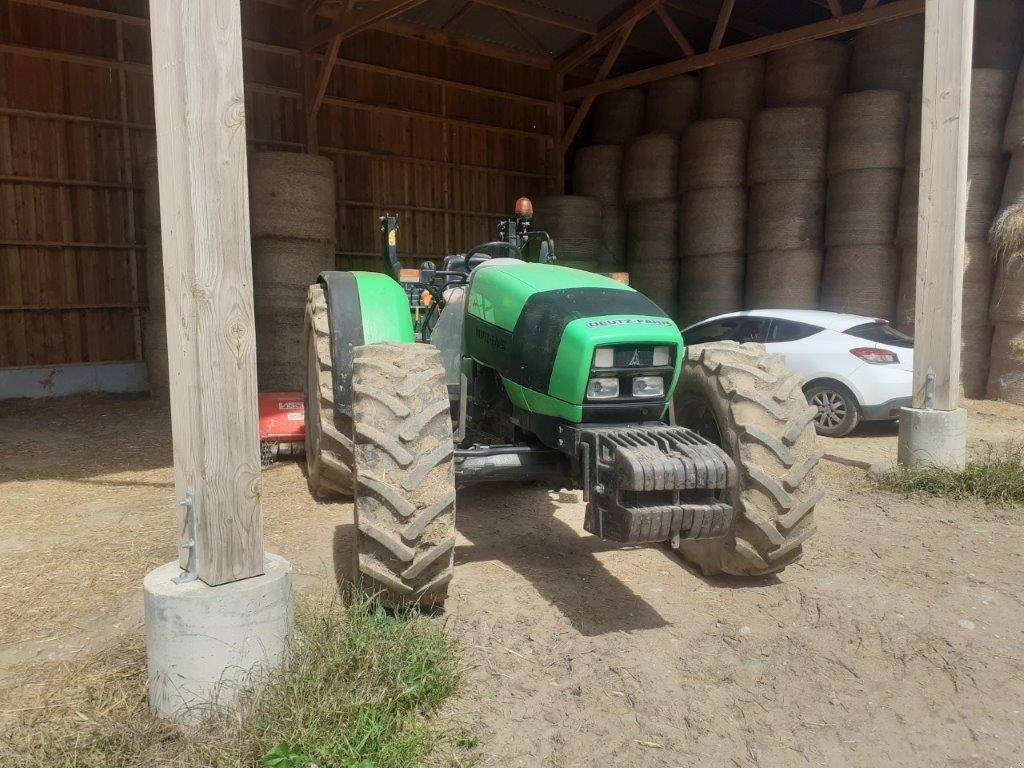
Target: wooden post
{"x":204,"y":215}
{"x":945,"y":117}
{"x":556,"y":164}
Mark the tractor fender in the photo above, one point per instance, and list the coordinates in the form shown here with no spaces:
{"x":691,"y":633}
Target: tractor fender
{"x":362,"y":308}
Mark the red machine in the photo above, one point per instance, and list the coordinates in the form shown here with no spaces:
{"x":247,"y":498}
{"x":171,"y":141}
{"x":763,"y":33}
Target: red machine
{"x":282,"y":425}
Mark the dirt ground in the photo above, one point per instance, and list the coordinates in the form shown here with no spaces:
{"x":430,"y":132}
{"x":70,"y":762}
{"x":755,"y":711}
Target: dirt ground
{"x":896,"y":640}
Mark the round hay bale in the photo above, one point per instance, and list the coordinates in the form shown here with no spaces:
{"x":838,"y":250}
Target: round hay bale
{"x":975,"y":351}
{"x":1006,"y":364}
{"x":906,"y":222}
{"x":597,"y":172}
{"x":712,"y":221}
{"x":867,"y":130}
{"x":788,"y":279}
{"x":1007,"y":304}
{"x":574,"y":222}
{"x":985,"y":176}
{"x":912,"y":144}
{"x":282,"y":270}
{"x":618,"y":116}
{"x":888,"y":56}
{"x":650,"y":168}
{"x":713,"y":153}
{"x":672,"y":104}
{"x":613,"y":240}
{"x":651,"y":253}
{"x":735,"y":89}
{"x":904,"y":319}
{"x":784,"y":215}
{"x":788,"y":144}
{"x":998,"y":33}
{"x":808,"y":75}
{"x":862,"y":207}
{"x":861,"y":280}
{"x":710,"y":285}
{"x":991,"y":91}
{"x":292,"y":196}
{"x":979,"y":274}
{"x":1013,"y":134}
{"x":1013,"y":185}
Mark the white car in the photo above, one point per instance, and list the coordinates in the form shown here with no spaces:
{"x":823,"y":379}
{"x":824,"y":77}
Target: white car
{"x":855,"y":368}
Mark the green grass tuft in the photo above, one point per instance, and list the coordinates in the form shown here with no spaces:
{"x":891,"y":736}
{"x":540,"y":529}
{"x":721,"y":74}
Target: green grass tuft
{"x":363,"y":690}
{"x":997,"y":476}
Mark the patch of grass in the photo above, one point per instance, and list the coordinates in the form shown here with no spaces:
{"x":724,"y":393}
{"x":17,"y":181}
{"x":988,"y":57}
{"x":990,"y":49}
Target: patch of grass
{"x":363,"y":690}
{"x":997,"y":476}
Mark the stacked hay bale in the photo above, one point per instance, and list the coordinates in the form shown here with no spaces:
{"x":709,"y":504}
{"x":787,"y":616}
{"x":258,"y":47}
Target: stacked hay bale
{"x":293,"y":214}
{"x":735,"y":89}
{"x":809,"y":75}
{"x":618,"y":116}
{"x":889,"y":56}
{"x":712,"y":218}
{"x":649,"y":189}
{"x":574,"y":221}
{"x":786,"y":173}
{"x":672,"y":104}
{"x":597,"y":171}
{"x":154,"y":338}
{"x":865,"y":168}
{"x":990,"y":98}
{"x":1006,"y":371}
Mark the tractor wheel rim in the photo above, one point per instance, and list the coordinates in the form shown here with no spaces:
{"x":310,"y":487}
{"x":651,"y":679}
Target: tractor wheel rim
{"x":831,"y":408}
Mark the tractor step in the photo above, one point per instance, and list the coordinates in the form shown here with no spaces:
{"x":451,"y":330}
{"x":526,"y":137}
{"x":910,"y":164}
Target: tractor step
{"x":653,"y":482}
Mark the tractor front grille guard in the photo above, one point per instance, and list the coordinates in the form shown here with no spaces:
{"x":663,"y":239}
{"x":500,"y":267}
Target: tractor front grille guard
{"x":653,"y":482}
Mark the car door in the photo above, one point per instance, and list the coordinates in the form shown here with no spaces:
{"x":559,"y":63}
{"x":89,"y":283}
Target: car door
{"x":796,"y":342}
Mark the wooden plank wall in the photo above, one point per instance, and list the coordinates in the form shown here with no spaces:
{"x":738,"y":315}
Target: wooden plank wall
{"x":445,"y":138}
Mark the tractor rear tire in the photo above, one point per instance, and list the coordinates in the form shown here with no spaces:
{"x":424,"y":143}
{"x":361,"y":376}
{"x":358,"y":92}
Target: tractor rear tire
{"x":404,"y":474}
{"x":328,"y":434}
{"x":749,"y":404}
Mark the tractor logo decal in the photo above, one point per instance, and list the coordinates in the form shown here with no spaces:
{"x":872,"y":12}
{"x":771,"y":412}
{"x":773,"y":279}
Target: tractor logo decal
{"x":634,"y":361}
{"x":628,"y":321}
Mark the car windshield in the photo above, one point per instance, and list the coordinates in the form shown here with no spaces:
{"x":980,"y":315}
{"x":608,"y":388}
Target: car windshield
{"x":881,"y":333}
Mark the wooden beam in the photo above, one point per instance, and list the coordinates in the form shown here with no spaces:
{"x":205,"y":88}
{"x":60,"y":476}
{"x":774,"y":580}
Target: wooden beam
{"x":835,"y":8}
{"x":870,"y":4}
{"x":353,"y":24}
{"x":709,"y":10}
{"x":606,"y":67}
{"x":437,"y":37}
{"x":895,"y":10}
{"x":327,"y":69}
{"x":204,"y":216}
{"x":721,"y":24}
{"x":538,"y":13}
{"x":581,"y":53}
{"x":942,"y":204}
{"x":673,"y":29}
{"x":524,"y":34}
{"x":458,"y":16}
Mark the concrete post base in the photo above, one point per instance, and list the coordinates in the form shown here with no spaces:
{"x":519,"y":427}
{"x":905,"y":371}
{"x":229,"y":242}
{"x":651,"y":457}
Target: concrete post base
{"x":202,"y":641}
{"x":932,"y":438}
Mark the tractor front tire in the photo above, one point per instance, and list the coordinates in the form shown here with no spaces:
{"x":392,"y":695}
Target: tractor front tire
{"x":328,"y":434}
{"x":749,"y":404}
{"x":404,"y":474}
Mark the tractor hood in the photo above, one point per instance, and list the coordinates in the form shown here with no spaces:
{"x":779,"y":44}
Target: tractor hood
{"x":539,"y":325}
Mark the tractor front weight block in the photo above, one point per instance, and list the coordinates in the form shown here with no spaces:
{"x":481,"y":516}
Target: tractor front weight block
{"x":652,"y":483}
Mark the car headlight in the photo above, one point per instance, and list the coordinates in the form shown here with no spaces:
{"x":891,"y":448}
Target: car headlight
{"x":662,"y":356}
{"x":604,"y":357}
{"x":602,"y":388}
{"x":648,"y":386}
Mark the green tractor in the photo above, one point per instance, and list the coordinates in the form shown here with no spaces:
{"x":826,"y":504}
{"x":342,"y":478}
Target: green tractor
{"x":522,"y":370}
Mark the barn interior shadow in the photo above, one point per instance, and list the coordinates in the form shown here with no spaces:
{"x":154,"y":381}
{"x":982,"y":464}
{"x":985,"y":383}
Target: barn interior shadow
{"x":521,"y":532}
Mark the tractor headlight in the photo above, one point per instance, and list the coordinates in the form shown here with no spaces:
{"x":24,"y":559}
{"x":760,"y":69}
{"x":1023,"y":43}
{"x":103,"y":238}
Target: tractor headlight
{"x":604,"y":357}
{"x":648,"y":386}
{"x":602,"y":388}
{"x":662,"y":356}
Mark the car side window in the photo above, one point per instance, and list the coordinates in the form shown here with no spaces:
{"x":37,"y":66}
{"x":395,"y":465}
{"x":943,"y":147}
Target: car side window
{"x":753,"y":329}
{"x":716,"y":330}
{"x":789,"y":330}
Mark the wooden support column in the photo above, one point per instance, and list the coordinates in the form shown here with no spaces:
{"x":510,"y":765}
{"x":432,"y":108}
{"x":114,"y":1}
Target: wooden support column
{"x":942,"y":203}
{"x":556,"y":165}
{"x":204,"y":215}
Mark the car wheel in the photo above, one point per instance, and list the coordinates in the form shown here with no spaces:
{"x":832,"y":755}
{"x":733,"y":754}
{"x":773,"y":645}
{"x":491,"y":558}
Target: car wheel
{"x":838,"y":414}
